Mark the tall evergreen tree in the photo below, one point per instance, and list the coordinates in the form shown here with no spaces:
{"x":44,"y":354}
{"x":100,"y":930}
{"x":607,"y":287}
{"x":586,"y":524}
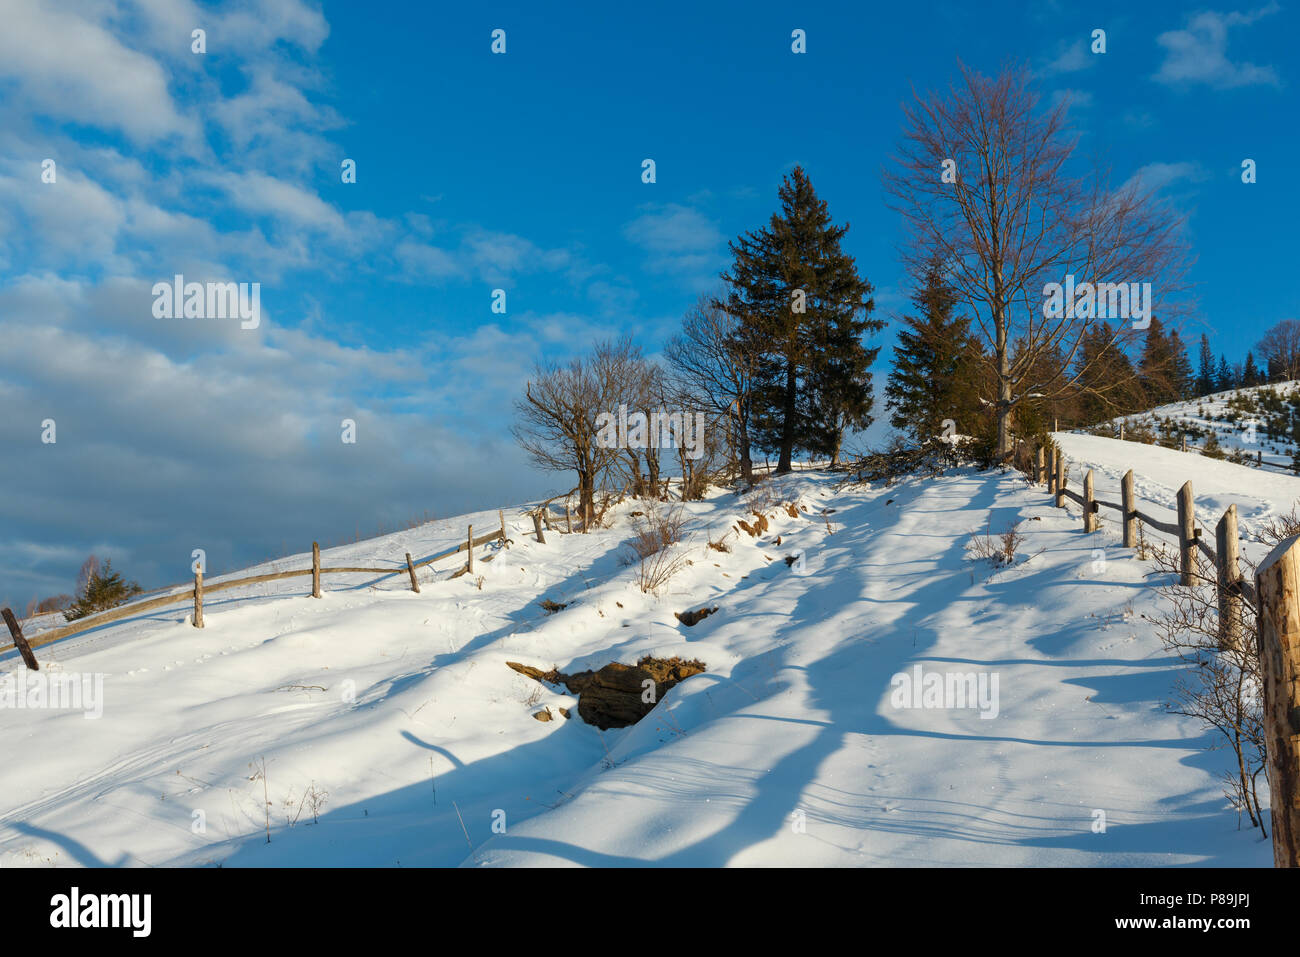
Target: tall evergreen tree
{"x":803,"y":310}
{"x":1223,"y":377}
{"x":1250,"y":372}
{"x":1158,"y":366}
{"x":1105,"y":377}
{"x":935,"y":365}
{"x":1205,"y":377}
{"x":1182,"y":375}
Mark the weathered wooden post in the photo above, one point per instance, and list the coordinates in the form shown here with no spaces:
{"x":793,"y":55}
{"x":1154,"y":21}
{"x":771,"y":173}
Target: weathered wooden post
{"x":537,"y":526}
{"x":568,"y":519}
{"x":1038,"y":466}
{"x":1056,"y":424}
{"x":1184,"y":441}
{"x":1060,"y":480}
{"x":1226,"y":549}
{"x":1278,"y":582}
{"x":1121,"y":430}
{"x":410,"y":567}
{"x":502,"y":515}
{"x":198,"y":598}
{"x":1051,"y":470}
{"x":1186,"y":535}
{"x":1089,"y":505}
{"x":20,"y":642}
{"x":1259,"y":458}
{"x":469,"y":550}
{"x":1130,"y":511}
{"x":315,"y":569}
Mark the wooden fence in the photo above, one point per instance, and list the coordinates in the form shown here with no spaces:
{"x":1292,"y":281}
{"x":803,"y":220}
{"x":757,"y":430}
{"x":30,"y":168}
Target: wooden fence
{"x":1274,"y":598}
{"x":197,"y":592}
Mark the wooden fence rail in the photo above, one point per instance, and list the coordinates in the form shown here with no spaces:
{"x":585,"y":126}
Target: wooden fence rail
{"x":201,"y":588}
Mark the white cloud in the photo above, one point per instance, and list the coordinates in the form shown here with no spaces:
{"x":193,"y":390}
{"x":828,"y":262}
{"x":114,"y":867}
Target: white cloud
{"x":72,"y":68}
{"x":1198,"y":53}
{"x":678,"y":239}
{"x":1154,"y":177}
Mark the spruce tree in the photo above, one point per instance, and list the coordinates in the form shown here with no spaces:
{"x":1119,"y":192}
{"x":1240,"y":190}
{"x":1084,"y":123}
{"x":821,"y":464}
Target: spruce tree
{"x":803,"y":311}
{"x":935,"y":365}
{"x":1182,"y":377}
{"x":1205,"y":377}
{"x":1158,"y":366}
{"x":1250,"y":372}
{"x":103,"y":589}
{"x":1104,"y":377}
{"x":1223,"y":378}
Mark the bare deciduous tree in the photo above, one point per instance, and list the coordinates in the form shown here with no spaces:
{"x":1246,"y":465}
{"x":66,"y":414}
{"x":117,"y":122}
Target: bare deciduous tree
{"x":1280,"y":349}
{"x":710,"y":360}
{"x":557,"y":416}
{"x":1011,"y":217}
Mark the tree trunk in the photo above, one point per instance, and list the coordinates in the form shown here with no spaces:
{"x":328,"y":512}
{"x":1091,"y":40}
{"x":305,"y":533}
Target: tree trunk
{"x":742,"y":450}
{"x":787,"y":427}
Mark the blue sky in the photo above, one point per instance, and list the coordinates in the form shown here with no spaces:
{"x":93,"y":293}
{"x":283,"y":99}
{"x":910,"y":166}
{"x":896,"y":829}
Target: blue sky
{"x":478,"y":171}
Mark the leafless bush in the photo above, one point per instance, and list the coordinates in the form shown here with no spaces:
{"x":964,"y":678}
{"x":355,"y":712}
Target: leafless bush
{"x":657,"y":568}
{"x":1221,"y":686}
{"x":1000,"y":549}
{"x":656,"y":529}
{"x":1281,"y":528}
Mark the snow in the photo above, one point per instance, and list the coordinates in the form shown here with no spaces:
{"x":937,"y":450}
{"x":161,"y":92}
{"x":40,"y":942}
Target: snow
{"x":1158,"y":473}
{"x":1211,"y":413}
{"x":789,"y":750}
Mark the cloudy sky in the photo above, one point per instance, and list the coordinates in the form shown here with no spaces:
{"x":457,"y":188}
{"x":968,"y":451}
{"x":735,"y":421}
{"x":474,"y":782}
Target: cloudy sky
{"x":477,"y":171}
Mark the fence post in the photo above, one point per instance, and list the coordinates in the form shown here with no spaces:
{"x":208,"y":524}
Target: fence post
{"x":502,"y":515}
{"x":1038,"y":466}
{"x":315,"y":569}
{"x":415,"y":585}
{"x":1051,"y":470}
{"x":1229,"y":579}
{"x":537,"y":527}
{"x":1060,"y":480}
{"x":20,"y":642}
{"x":198,"y":599}
{"x":1186,"y":534}
{"x":1130,"y":511}
{"x":1184,"y":441}
{"x":568,"y":519}
{"x":1121,"y":430}
{"x":470,"y":550}
{"x":1089,"y":505}
{"x":1278,"y":581}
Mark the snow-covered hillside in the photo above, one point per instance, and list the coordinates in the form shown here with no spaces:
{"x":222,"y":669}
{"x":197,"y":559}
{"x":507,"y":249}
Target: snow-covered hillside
{"x":1250,"y":423}
{"x":795,"y":747}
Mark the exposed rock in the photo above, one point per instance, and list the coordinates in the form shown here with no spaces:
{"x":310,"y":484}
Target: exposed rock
{"x":689,"y":618}
{"x":613,"y":697}
{"x":543,"y":715}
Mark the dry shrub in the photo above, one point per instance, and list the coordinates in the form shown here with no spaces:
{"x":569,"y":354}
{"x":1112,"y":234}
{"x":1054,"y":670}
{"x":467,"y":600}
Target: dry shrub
{"x":1222,"y":685}
{"x":656,"y":529}
{"x":1000,"y":549}
{"x":1281,"y":528}
{"x":656,"y":569}
{"x":654,"y":536}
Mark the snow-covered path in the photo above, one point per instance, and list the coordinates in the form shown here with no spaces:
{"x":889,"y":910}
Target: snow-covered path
{"x":789,"y":750}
